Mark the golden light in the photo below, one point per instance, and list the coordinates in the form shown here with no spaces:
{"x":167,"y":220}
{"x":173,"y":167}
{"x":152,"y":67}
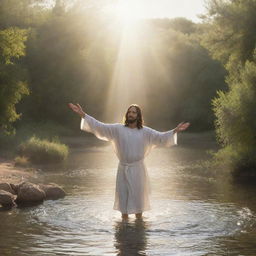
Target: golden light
{"x":127,"y":82}
{"x":128,"y":11}
{"x":131,"y":10}
{"x":137,"y":52}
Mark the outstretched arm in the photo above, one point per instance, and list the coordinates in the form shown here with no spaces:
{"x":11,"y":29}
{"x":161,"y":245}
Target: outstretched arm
{"x":168,"y":138}
{"x":88,"y":123}
{"x":77,"y":109}
{"x":181,"y":127}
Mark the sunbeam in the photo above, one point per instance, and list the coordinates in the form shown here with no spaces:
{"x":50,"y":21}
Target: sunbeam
{"x":128,"y":81}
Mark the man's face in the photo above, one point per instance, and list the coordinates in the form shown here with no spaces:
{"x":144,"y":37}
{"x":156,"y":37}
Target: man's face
{"x":132,"y":115}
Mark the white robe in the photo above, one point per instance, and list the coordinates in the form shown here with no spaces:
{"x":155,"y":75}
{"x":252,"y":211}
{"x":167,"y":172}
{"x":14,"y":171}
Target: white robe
{"x":131,"y":146}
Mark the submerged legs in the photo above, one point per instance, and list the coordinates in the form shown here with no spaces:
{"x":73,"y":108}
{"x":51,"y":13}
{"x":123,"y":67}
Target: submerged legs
{"x":138,"y":215}
{"x":124,"y":216}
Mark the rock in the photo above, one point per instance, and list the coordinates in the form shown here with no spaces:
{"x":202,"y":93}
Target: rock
{"x":7,"y":198}
{"x":52,"y":191}
{"x":29,"y":192}
{"x":14,"y":188}
{"x":7,"y":187}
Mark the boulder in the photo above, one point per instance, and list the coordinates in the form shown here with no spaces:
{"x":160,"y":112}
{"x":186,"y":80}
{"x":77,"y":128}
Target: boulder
{"x":7,"y":198}
{"x":7,"y":187}
{"x":52,"y":191}
{"x":14,"y":188}
{"x":29,"y":192}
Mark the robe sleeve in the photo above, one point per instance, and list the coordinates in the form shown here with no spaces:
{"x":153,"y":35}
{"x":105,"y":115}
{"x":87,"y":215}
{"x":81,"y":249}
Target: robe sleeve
{"x":101,"y":130}
{"x":163,"y":139}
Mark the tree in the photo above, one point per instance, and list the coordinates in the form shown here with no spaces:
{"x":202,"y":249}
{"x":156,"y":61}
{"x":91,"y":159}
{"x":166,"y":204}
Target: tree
{"x":231,"y":38}
{"x":12,"y":75}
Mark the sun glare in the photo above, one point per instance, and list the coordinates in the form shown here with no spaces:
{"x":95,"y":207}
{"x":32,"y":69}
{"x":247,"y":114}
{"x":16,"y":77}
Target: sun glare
{"x":128,"y":11}
{"x":127,"y":83}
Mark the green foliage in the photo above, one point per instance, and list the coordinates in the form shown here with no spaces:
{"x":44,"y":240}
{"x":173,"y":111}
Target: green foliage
{"x":43,"y":151}
{"x":12,"y":44}
{"x":186,"y":81}
{"x":24,"y":130}
{"x":81,"y":60}
{"x":22,"y":13}
{"x":231,"y":38}
{"x":12,"y":76}
{"x":72,"y":52}
{"x":235,"y":110}
{"x":230,"y":29}
{"x":16,"y":17}
{"x":182,"y":25}
{"x":72,"y":68}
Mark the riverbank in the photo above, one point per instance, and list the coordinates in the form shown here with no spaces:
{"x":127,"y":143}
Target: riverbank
{"x":14,"y":174}
{"x":11,"y":173}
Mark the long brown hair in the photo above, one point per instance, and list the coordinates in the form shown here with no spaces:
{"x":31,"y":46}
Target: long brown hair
{"x":140,"y":120}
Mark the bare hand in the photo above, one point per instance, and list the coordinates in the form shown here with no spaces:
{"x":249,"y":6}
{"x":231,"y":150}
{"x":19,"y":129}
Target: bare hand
{"x":182,"y":126}
{"x":77,"y":109}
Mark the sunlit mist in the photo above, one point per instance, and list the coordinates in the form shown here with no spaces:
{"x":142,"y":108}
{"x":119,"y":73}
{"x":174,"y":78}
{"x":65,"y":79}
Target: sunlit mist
{"x":128,"y":81}
{"x":129,"y":12}
{"x":138,"y":55}
{"x":140,"y":9}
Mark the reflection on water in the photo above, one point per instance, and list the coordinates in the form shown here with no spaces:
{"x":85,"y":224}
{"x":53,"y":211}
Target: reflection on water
{"x":192,"y":213}
{"x":130,"y":237}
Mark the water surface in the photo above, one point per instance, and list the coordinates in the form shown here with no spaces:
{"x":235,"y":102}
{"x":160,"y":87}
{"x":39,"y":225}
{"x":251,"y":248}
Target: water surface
{"x":193,"y":213}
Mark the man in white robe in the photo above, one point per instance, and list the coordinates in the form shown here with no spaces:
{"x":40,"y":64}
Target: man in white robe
{"x":132,"y":142}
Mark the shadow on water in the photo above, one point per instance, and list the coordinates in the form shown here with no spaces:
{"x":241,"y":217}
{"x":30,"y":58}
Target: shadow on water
{"x":130,"y":237}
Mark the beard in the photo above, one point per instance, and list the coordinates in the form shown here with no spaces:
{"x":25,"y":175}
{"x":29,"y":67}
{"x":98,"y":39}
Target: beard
{"x":131,"y":121}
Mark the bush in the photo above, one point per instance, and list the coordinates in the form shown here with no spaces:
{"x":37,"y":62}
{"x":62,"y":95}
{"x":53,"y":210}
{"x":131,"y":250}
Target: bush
{"x":235,"y":123}
{"x":43,"y":151}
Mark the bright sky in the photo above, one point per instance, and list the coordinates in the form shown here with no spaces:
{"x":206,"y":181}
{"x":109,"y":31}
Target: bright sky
{"x":153,"y":8}
{"x":162,"y":8}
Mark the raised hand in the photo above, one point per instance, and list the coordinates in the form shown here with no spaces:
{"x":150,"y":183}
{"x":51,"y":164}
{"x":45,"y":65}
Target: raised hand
{"x":77,"y":109}
{"x":182,"y":126}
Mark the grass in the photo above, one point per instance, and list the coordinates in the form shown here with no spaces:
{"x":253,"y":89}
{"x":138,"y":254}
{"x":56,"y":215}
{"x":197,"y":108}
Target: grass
{"x":35,"y":143}
{"x":40,"y":151}
{"x":21,"y":161}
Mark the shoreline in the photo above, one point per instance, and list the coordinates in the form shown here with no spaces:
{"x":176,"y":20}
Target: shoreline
{"x":14,"y":174}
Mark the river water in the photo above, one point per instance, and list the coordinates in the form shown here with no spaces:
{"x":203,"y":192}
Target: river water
{"x":193,"y":212}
